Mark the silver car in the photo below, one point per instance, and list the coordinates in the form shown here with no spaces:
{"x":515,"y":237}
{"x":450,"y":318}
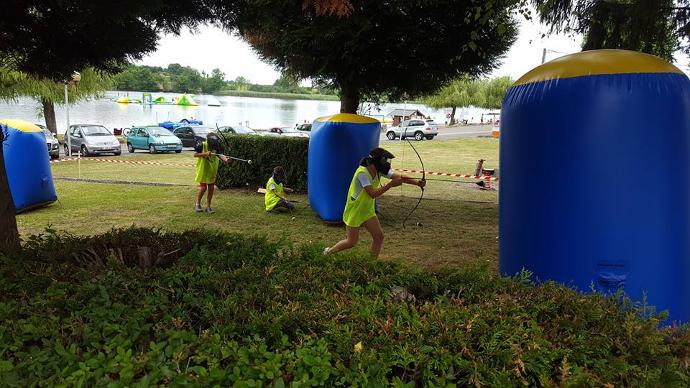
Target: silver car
{"x":51,"y":142}
{"x":90,"y":139}
{"x":417,"y":128}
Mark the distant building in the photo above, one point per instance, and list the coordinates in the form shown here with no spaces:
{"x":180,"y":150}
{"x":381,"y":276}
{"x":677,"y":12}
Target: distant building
{"x":400,"y":115}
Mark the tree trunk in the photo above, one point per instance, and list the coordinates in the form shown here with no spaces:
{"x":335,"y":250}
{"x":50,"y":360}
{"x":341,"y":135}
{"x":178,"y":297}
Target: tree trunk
{"x":49,"y":115}
{"x":9,"y":235}
{"x":452,"y":116}
{"x":349,"y":100}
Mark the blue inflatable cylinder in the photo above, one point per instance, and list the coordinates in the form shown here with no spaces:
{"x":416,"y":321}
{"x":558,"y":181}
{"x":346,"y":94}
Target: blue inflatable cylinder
{"x":595,"y":170}
{"x":27,"y":165}
{"x":336,"y":145}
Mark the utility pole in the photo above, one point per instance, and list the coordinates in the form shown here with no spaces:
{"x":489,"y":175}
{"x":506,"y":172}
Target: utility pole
{"x":76,"y":77}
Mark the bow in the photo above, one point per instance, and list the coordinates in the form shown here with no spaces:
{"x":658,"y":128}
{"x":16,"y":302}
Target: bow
{"x":421,"y":195}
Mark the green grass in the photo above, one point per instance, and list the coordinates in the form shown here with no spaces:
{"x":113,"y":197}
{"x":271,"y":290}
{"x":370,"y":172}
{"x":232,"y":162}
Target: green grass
{"x":456,"y":219}
{"x":453,"y":233}
{"x":284,"y":96}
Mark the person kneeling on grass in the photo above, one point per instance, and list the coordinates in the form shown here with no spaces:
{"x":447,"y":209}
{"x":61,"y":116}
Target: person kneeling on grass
{"x":275,"y":198}
{"x":209,"y":155}
{"x":360,"y":207}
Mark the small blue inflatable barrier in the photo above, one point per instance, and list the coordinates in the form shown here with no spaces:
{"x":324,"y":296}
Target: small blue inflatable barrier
{"x":170,"y":125}
{"x":336,"y":145}
{"x":27,"y":165}
{"x":595,"y":177}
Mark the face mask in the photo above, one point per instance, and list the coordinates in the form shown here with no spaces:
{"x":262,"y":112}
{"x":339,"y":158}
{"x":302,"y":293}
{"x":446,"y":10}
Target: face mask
{"x":384,"y":168}
{"x":278,"y":179}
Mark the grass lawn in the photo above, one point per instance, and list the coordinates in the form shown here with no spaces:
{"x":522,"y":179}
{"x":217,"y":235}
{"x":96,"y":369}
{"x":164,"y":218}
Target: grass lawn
{"x":459,"y":223}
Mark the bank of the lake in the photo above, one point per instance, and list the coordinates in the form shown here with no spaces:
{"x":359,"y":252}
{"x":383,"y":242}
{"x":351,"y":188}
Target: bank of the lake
{"x":284,"y":96}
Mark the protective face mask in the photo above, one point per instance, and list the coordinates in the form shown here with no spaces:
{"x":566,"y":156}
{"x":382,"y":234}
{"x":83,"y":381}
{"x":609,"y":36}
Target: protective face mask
{"x":384,"y":168}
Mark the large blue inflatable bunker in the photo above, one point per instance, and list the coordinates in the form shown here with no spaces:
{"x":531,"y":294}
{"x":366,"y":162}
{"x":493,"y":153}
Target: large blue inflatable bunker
{"x":336,"y":145}
{"x":27,"y":165}
{"x":595,"y":176}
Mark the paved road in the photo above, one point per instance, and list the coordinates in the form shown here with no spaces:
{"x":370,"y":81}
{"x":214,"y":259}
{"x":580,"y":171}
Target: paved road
{"x":449,"y":133}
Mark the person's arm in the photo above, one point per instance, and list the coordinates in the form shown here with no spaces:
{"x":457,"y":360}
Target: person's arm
{"x":199,"y":154}
{"x":375,"y":193}
{"x":408,"y":180}
{"x":278,"y":195}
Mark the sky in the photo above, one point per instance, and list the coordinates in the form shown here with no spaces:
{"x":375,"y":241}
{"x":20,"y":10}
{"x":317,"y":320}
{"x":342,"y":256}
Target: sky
{"x":211,"y":47}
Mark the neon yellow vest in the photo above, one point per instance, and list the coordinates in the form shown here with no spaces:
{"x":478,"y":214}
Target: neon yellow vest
{"x":360,"y":209}
{"x":270,"y":198}
{"x":207,"y":168}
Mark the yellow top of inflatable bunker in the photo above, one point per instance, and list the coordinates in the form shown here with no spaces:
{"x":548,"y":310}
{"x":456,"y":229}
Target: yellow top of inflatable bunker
{"x":597,"y":62}
{"x":347,"y":118}
{"x":21,"y":125}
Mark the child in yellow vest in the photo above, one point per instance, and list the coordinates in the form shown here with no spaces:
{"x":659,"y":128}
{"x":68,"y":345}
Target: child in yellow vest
{"x":209,"y":156}
{"x":275,"y":192}
{"x":360,"y":207}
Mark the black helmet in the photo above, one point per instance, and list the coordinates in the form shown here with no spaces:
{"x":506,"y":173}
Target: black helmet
{"x":380,"y":158}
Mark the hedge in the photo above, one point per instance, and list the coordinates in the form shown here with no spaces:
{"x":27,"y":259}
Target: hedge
{"x":265,"y":152}
{"x":211,"y":309}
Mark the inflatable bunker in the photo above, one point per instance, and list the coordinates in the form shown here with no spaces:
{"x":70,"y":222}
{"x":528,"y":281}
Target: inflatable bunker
{"x":595,"y":170}
{"x":27,"y":165}
{"x":336,"y":145}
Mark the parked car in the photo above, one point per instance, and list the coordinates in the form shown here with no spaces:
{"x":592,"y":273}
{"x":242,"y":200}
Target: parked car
{"x":153,"y":139}
{"x":191,"y":135}
{"x":305,"y":128}
{"x":417,"y":128}
{"x":286,"y":131}
{"x":91,"y":139}
{"x":52,"y":142}
{"x":237,"y":130}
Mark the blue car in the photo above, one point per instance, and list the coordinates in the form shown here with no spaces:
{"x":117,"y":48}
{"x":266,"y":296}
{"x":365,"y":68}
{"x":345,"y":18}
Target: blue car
{"x":153,"y":139}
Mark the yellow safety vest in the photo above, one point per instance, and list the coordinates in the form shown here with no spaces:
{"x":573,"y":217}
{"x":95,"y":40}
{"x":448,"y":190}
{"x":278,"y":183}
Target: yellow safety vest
{"x":207,"y":168}
{"x":359,"y":210}
{"x":270,"y":198}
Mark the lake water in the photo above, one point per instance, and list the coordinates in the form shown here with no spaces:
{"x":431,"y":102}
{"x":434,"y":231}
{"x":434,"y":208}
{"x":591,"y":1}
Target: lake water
{"x":258,"y":112}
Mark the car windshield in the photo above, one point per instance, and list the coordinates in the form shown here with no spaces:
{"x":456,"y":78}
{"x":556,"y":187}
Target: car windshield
{"x":95,"y":130}
{"x":157,"y":131}
{"x":49,"y":135}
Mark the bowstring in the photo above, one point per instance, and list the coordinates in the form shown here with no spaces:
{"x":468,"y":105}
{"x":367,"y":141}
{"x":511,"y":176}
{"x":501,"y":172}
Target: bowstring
{"x":421,"y":195}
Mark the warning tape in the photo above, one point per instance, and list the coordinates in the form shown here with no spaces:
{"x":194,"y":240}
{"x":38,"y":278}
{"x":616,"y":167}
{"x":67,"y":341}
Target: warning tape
{"x":450,"y":174}
{"x":141,"y":162}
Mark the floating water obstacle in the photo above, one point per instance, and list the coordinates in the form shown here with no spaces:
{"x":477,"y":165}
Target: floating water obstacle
{"x":128,"y":100}
{"x":27,"y":164}
{"x":336,"y":145}
{"x":185,"y":100}
{"x":603,"y":130}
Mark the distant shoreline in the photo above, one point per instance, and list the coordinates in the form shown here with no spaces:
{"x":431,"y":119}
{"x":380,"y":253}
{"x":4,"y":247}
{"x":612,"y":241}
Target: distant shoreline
{"x":286,"y":96}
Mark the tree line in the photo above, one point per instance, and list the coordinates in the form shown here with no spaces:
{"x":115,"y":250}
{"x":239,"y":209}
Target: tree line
{"x":174,"y":78}
{"x":466,"y":91}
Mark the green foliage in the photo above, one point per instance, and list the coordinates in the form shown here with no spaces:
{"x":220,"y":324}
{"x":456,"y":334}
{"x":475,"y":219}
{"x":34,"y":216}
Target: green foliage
{"x":654,"y":27}
{"x":175,"y":78}
{"x":14,"y":84}
{"x":464,"y":92}
{"x":229,"y":310}
{"x":266,"y":152}
{"x":385,"y":49}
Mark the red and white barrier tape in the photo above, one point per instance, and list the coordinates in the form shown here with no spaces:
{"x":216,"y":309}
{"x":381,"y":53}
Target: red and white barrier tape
{"x":125,"y":161}
{"x":450,"y":174}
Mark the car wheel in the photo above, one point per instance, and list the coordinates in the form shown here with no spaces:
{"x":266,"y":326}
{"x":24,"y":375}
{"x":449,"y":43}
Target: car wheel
{"x":152,"y":148}
{"x":429,"y":137}
{"x":84,"y":151}
{"x":130,"y":148}
{"x":66,"y":150}
{"x":418,"y":136}
{"x":390,"y":135}
{"x":118,"y":153}
{"x":178,"y":151}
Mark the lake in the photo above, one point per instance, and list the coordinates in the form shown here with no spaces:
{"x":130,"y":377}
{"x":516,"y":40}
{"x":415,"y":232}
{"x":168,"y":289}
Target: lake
{"x":260,"y":113}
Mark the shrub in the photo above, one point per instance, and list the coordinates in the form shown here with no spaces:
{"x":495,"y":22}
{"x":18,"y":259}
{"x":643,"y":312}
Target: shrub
{"x":265,"y":152}
{"x":231,"y":310}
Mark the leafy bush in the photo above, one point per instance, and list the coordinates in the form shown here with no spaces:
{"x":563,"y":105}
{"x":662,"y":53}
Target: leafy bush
{"x":265,"y":152}
{"x":230,"y":310}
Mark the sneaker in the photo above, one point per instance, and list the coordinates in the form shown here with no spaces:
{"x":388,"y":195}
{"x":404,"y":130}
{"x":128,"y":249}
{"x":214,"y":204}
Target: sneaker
{"x":197,"y":208}
{"x":209,"y":210}
{"x":326,"y":250}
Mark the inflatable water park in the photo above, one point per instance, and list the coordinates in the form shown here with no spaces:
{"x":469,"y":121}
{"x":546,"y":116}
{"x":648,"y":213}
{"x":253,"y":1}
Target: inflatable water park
{"x":182,"y":100}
